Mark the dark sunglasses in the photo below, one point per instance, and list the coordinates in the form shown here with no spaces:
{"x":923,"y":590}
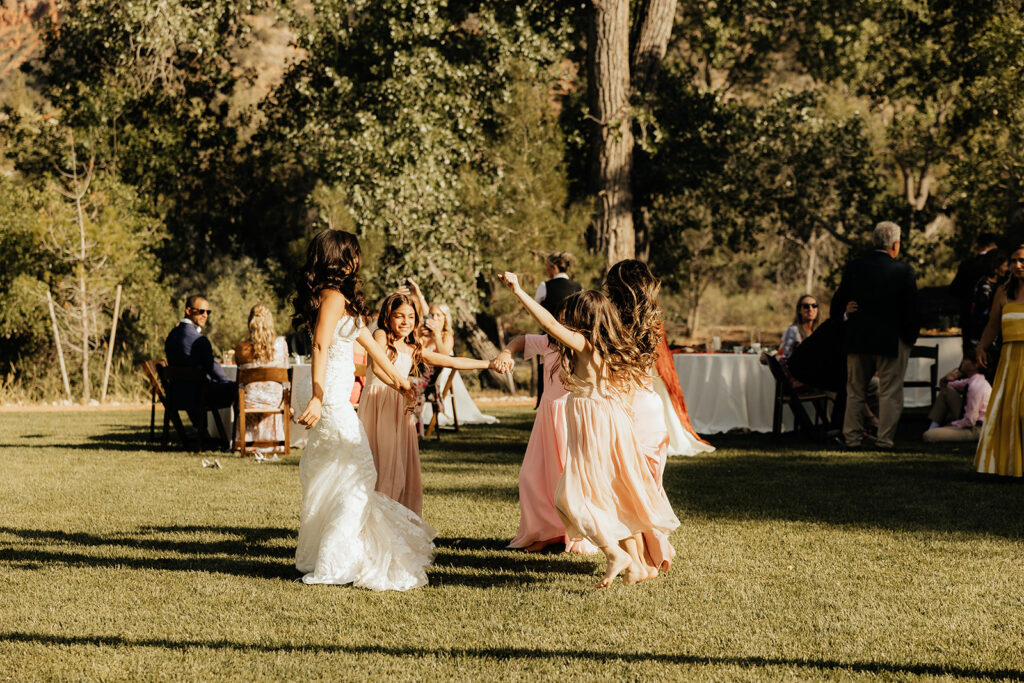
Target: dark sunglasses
{"x":808,"y":305}
{"x":202,"y":311}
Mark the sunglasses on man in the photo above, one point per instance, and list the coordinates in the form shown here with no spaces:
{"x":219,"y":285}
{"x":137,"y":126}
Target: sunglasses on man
{"x":202,"y":311}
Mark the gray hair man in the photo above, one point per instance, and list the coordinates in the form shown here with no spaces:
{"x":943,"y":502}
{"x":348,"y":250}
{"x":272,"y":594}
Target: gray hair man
{"x":877,"y":299}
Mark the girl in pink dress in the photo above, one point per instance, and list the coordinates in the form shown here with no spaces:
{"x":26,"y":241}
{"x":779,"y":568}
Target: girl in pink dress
{"x":607,"y":492}
{"x":633,"y":289}
{"x":389,"y":425}
{"x":539,"y":523}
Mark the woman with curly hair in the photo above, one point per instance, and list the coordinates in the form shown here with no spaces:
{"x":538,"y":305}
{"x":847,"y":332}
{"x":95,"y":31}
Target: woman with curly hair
{"x":262,"y":348}
{"x":391,"y":428}
{"x":348,"y":532}
{"x":607,"y":492}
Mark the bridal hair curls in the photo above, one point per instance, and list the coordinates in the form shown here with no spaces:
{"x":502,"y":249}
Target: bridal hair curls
{"x":332,"y":262}
{"x":387,"y":309}
{"x":633,"y":289}
{"x":591,"y":314}
{"x":261,"y":333}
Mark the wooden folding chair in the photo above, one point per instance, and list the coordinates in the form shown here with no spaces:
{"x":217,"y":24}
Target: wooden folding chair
{"x":931,"y":352}
{"x":786,"y":393}
{"x":183,"y":382}
{"x":437,"y":401}
{"x":151,"y":369}
{"x":249,"y":375}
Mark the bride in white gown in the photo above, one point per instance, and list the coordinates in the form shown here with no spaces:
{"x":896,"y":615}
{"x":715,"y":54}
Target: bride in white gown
{"x":348,"y":533}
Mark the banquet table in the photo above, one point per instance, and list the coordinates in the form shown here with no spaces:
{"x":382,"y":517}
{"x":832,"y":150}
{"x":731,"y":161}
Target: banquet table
{"x":302,"y":391}
{"x":726,"y":391}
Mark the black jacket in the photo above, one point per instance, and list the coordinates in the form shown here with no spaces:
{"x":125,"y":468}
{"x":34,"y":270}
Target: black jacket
{"x":557,"y":291}
{"x":886,"y":294}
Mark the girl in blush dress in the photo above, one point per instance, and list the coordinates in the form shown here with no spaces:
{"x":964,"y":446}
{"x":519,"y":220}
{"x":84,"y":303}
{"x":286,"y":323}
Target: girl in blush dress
{"x":539,"y":523}
{"x":634,"y":291}
{"x":348,"y":533}
{"x":607,"y":493}
{"x":390,"y":427}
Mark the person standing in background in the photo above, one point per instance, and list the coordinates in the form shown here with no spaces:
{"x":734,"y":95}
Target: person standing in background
{"x":552,"y":293}
{"x":878,"y":300}
{"x":968,"y":273}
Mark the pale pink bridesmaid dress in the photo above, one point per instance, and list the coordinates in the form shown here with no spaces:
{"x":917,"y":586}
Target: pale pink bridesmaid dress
{"x":544,"y":458}
{"x":608,"y":491}
{"x":392,"y":435}
{"x":653,"y":438}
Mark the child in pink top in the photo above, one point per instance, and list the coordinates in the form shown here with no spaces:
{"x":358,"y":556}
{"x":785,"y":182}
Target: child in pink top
{"x":970,"y":407}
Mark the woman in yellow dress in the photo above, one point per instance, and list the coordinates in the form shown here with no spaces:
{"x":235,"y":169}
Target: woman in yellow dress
{"x":1001,"y":447}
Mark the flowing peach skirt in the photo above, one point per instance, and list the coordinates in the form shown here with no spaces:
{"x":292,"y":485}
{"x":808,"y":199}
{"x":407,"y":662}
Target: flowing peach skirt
{"x":396,"y":450}
{"x":652,"y":436}
{"x":607,"y":492}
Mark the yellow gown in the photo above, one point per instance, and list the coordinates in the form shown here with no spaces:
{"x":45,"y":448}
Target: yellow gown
{"x":1001,"y":446}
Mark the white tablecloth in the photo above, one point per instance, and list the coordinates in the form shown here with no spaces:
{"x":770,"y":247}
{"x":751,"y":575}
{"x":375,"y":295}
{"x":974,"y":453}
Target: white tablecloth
{"x":302,"y":391}
{"x":734,"y":391}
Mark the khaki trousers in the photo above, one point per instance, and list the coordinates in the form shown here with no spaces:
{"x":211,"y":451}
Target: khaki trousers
{"x":860,"y":367}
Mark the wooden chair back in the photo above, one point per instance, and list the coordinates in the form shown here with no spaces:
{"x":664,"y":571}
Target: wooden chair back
{"x":438,"y":405}
{"x":282,"y":376}
{"x":175,"y":379}
{"x":786,"y":393}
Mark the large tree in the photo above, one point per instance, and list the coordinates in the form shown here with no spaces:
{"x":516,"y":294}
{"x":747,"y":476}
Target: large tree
{"x":616,"y":77}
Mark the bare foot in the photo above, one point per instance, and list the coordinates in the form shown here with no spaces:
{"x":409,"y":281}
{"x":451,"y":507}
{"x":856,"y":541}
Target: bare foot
{"x":652,"y":573}
{"x":617,"y":563}
{"x":634,"y":574}
{"x":666,"y":565}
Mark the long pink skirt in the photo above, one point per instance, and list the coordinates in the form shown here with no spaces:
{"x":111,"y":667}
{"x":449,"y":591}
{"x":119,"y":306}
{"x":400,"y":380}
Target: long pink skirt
{"x":538,"y":479}
{"x":396,"y":450}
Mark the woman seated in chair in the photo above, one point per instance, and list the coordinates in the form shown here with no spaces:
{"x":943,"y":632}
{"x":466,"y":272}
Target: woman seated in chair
{"x":262,"y":349}
{"x":804,"y":323}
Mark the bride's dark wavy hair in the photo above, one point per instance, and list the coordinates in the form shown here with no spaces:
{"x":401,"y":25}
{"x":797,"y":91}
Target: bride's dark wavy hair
{"x":633,"y":290}
{"x":387,"y":309}
{"x":333,"y":259}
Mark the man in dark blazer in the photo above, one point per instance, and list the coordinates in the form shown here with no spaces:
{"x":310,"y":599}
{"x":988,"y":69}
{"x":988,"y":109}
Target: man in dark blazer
{"x":187,"y":347}
{"x":877,"y":298}
{"x":553,"y":292}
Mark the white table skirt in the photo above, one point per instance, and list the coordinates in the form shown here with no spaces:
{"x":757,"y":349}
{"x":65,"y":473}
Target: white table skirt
{"x":302,"y":391}
{"x":734,"y":391}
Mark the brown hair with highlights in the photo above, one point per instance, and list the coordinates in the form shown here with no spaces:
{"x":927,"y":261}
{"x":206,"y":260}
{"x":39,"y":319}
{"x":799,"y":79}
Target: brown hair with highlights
{"x":387,"y":309}
{"x":333,"y":259}
{"x":591,"y":314}
{"x":633,"y":289}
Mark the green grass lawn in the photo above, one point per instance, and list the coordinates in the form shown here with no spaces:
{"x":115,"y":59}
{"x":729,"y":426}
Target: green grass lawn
{"x":120,"y":561}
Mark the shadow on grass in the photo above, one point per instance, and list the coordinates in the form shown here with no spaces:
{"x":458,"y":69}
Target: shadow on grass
{"x":915,"y":492}
{"x":237,"y":556}
{"x":120,"y":438}
{"x":451,"y":553}
{"x":523,"y":653}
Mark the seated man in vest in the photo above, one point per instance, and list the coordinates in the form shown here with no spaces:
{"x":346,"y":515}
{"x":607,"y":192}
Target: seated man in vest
{"x":187,"y":347}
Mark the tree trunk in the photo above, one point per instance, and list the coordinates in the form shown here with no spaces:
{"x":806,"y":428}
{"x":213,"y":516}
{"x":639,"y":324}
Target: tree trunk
{"x":812,"y":262}
{"x":481,"y":345}
{"x":609,"y":85}
{"x":83,"y":296}
{"x":652,"y":42}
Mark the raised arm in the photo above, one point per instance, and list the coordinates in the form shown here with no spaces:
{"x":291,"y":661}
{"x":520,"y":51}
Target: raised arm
{"x":412,"y":290}
{"x":332,"y":307}
{"x":562,"y":334}
{"x":995,"y":321}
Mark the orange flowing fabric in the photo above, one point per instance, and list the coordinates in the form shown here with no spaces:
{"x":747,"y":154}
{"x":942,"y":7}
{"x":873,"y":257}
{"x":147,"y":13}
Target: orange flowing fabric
{"x":667,"y":372}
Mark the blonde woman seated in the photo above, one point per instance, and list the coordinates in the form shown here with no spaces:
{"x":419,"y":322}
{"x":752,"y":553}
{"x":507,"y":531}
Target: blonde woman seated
{"x":439,"y":335}
{"x":262,"y":348}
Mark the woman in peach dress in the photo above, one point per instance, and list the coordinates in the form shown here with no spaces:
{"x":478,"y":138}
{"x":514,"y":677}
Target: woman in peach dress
{"x":539,"y":523}
{"x":607,"y":492}
{"x":389,"y":425}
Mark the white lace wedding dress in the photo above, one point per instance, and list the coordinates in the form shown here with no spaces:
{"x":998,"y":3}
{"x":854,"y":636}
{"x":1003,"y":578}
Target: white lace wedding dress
{"x":349,"y":533}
